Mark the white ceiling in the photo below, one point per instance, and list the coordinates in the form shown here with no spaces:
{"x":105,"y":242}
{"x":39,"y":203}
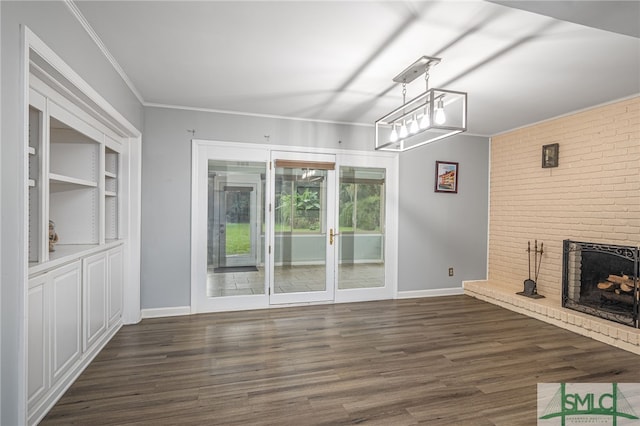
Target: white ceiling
{"x":335,"y":60}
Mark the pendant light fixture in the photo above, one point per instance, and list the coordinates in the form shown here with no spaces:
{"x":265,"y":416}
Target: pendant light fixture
{"x":433,"y":115}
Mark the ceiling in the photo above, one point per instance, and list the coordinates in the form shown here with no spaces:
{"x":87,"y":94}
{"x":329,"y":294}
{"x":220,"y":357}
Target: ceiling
{"x":520,"y":62}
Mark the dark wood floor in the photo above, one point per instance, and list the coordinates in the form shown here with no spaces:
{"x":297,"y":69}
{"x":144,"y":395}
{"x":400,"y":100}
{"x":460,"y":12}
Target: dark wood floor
{"x":448,"y":360}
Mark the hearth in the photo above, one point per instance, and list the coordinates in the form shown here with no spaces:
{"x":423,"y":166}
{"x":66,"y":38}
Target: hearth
{"x":601,"y":280}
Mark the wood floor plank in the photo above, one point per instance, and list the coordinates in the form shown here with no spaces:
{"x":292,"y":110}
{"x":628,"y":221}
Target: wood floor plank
{"x":448,"y":360}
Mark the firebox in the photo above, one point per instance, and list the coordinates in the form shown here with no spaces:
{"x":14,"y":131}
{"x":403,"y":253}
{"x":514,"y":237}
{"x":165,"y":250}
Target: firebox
{"x":601,"y":280}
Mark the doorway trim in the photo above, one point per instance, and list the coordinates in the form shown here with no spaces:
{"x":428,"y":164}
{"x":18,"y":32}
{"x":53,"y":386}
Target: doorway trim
{"x":203,"y":149}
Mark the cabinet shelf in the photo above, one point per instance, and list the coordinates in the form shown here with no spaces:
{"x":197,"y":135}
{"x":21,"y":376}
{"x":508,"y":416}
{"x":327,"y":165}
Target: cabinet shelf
{"x":31,"y":183}
{"x":110,"y":175}
{"x":110,"y":194}
{"x":31,"y":150}
{"x":65,"y":183}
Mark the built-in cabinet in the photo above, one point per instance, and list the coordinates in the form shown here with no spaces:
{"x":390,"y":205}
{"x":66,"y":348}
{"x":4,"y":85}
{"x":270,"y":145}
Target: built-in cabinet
{"x":73,"y":178}
{"x":76,"y":280}
{"x":73,"y":311}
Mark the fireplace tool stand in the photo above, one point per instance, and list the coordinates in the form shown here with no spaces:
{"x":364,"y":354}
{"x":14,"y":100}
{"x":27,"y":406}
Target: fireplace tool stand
{"x":530,"y":286}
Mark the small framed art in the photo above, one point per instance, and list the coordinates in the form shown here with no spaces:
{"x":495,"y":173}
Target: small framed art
{"x":446,"y":176}
{"x":550,"y":155}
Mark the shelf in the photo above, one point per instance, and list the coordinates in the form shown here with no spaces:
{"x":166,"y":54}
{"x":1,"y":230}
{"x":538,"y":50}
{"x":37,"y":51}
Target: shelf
{"x":31,"y":150}
{"x":110,"y":175}
{"x":63,"y":183}
{"x":32,"y":183}
{"x":65,"y":253}
{"x":110,"y":194}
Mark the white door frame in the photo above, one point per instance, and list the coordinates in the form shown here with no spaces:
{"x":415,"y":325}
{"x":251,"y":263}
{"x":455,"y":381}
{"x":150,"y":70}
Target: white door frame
{"x":203,"y":150}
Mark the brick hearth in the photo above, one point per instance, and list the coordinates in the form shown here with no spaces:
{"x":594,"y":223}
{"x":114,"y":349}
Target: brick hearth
{"x":550,"y":311}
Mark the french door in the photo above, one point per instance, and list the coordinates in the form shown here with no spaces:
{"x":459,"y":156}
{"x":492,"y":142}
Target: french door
{"x":303,"y":238}
{"x":273,"y":227}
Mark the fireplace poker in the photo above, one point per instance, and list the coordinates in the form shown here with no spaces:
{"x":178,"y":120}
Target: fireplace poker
{"x":537,"y":270}
{"x":529,"y":284}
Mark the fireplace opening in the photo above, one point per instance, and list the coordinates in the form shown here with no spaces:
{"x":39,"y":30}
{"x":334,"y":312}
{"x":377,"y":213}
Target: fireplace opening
{"x":601,"y":280}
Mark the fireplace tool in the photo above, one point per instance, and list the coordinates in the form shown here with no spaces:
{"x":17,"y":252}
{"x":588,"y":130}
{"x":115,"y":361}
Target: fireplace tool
{"x":530,"y":286}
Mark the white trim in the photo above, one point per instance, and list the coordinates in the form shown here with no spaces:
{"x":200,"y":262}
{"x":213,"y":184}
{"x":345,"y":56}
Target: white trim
{"x":174,"y":311}
{"x":436,"y":292}
{"x":488,"y":208}
{"x":131,"y":228}
{"x":232,"y":151}
{"x":567,"y":114}
{"x":253,"y":114}
{"x":101,"y":46}
{"x":41,"y":49}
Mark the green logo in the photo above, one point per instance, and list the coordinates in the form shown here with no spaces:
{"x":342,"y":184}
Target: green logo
{"x":587,"y":403}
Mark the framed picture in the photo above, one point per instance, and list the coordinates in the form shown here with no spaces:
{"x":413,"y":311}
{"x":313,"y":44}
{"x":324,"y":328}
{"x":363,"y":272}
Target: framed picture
{"x":446,"y":176}
{"x":550,"y":155}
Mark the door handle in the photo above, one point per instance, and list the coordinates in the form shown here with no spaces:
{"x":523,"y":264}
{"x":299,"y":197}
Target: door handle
{"x":331,"y":235}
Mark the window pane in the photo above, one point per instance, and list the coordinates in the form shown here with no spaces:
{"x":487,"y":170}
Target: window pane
{"x":284,"y":207}
{"x":368,"y":207}
{"x":361,"y":221}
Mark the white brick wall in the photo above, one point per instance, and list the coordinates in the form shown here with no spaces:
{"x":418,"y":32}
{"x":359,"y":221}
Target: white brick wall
{"x":593,"y":195}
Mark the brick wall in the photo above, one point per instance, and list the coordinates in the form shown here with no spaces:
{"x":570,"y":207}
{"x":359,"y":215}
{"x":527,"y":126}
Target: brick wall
{"x":593,"y":195}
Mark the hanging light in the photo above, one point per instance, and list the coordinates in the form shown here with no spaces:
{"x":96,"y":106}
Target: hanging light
{"x":394,"y":134}
{"x":440,"y":116}
{"x":425,"y":118}
{"x":403,"y":130}
{"x":414,"y":128}
{"x":424,"y":121}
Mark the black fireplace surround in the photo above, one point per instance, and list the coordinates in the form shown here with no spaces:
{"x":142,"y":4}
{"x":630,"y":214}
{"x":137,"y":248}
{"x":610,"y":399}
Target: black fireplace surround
{"x":601,"y":280}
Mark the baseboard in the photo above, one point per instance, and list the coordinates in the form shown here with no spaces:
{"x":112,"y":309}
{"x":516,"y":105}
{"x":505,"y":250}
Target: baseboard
{"x":430,"y":293}
{"x":173,"y":311}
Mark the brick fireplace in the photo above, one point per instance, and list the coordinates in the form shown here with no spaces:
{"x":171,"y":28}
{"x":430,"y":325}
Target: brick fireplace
{"x":601,"y":280}
{"x":593,"y":195}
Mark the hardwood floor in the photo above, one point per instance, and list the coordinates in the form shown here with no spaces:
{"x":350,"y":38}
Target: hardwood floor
{"x":448,"y":360}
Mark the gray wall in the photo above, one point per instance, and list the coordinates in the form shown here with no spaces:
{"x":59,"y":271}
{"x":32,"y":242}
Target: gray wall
{"x":56,"y":26}
{"x":436,"y":230}
{"x":166,"y":184}
{"x":442,"y":230}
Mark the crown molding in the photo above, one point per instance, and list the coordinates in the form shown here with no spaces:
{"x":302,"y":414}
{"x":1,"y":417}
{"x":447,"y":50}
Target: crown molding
{"x":253,"y":114}
{"x":101,"y":46}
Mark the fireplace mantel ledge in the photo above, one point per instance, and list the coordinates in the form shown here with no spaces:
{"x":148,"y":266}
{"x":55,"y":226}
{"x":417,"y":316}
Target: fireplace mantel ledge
{"x":550,"y":311}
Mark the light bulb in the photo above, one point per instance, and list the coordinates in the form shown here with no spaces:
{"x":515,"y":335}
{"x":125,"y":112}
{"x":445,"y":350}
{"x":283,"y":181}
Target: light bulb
{"x":440,"y":117}
{"x":403,"y":130}
{"x":424,"y":121}
{"x":394,"y":134}
{"x":414,"y":128}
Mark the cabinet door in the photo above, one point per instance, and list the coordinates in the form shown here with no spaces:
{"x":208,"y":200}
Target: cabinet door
{"x":66,"y":289}
{"x":116,"y":283}
{"x":95,"y":298}
{"x":37,"y":339}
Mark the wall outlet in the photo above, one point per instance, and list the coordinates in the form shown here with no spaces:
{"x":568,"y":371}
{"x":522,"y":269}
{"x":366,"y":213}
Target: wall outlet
{"x":450,"y":272}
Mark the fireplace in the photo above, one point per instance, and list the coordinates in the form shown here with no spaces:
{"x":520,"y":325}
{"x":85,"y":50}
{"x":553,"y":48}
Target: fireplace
{"x":601,"y":280}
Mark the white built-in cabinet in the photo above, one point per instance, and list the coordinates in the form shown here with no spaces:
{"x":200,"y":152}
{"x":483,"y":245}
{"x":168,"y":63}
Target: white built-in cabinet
{"x":75,"y":291}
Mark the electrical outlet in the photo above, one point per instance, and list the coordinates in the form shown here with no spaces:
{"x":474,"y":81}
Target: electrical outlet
{"x":450,"y":272}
